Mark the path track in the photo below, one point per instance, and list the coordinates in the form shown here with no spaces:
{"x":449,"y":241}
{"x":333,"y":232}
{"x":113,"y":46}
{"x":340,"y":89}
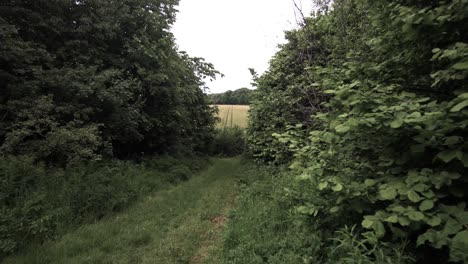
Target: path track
{"x":178,"y":225}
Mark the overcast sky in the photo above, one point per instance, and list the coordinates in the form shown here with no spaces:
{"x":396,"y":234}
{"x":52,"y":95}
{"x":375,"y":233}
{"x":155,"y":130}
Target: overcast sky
{"x":235,"y":35}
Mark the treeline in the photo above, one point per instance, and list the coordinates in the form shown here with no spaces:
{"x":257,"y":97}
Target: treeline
{"x":88,"y":81}
{"x":83,"y":80}
{"x":240,"y":96}
{"x":367,"y":103}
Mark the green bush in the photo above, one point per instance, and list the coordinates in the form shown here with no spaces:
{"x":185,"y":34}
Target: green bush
{"x":24,"y":203}
{"x":229,"y":142}
{"x":386,"y":150}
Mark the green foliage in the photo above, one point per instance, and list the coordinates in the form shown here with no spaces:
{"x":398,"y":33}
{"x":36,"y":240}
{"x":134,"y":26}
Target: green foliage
{"x":82,"y":80}
{"x":240,"y":96}
{"x":24,"y":210}
{"x":229,"y":142}
{"x":389,"y":143}
{"x":176,"y":225}
{"x":37,"y":203}
{"x":349,"y":248}
{"x":262,"y":229}
{"x":282,"y":98}
{"x":266,"y":226}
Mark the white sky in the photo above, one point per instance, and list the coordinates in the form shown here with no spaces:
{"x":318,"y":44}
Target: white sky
{"x":235,"y":35}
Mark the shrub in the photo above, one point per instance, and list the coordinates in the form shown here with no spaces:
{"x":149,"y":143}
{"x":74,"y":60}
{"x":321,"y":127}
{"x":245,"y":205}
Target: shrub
{"x":25,"y":210}
{"x":229,"y":142}
{"x":387,"y":151}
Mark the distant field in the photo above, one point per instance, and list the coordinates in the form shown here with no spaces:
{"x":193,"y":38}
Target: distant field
{"x":233,"y":115}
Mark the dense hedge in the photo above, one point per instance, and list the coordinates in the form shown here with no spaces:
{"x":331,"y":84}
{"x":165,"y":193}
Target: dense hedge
{"x":379,"y":136}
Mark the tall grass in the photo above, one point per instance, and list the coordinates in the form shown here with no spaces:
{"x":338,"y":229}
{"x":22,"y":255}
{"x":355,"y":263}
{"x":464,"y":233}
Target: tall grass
{"x":229,"y":142}
{"x":38,"y":203}
{"x":266,"y":227}
{"x":175,"y":225}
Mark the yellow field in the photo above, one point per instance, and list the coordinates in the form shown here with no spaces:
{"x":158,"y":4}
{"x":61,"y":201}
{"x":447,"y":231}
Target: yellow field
{"x":233,"y":115}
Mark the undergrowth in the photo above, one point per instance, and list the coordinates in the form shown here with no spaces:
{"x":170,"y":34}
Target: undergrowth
{"x":229,"y":142}
{"x":367,"y":103}
{"x":265,"y":227}
{"x":179,"y":224}
{"x":38,"y":204}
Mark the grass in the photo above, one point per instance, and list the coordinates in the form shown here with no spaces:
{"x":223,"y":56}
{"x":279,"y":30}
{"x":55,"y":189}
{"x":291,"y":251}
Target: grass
{"x":263,"y":227}
{"x":233,"y":115}
{"x":178,"y":225}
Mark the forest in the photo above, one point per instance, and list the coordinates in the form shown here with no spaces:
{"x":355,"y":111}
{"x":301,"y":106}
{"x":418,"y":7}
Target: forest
{"x":240,"y":96}
{"x":356,"y":148}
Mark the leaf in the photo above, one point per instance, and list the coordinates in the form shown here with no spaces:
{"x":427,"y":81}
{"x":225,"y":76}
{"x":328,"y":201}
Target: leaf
{"x":398,"y":209}
{"x":452,"y":227}
{"x":428,"y":236}
{"x":461,"y":66}
{"x":464,"y":160}
{"x":453,"y":140}
{"x":426,"y":205}
{"x":338,"y":187}
{"x":462,"y":217}
{"x":342,"y":128}
{"x":379,"y":229}
{"x":322,"y":185}
{"x":392,"y":219}
{"x":414,"y":196}
{"x":302,"y":209}
{"x":416,"y":216}
{"x":434,"y":221}
{"x":459,"y":106}
{"x":396,"y":123}
{"x":459,"y":247}
{"x":447,"y":155}
{"x":403,"y":220}
{"x":334,"y":209}
{"x":367,"y":223}
{"x":369,"y":182}
{"x":388,"y":194}
{"x":304,"y":177}
{"x":428,"y":194}
{"x":420,"y":187}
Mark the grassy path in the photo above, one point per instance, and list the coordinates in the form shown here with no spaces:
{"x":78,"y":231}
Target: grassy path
{"x":179,"y":225}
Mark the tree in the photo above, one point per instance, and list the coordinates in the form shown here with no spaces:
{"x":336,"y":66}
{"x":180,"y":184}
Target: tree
{"x":85,"y":79}
{"x":240,"y":96}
